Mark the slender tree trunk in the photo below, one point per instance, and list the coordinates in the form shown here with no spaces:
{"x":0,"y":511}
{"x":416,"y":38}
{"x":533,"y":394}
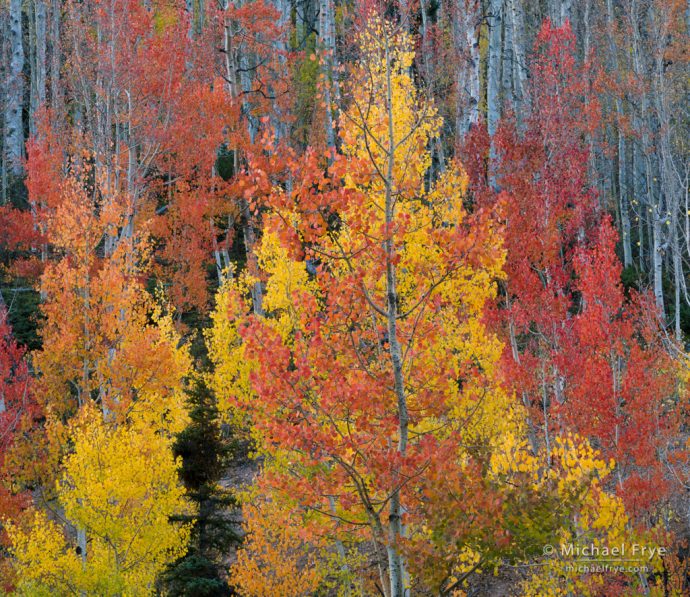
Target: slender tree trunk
{"x":189,"y":8}
{"x":13,"y":142}
{"x":493,"y":91}
{"x":678,"y":279}
{"x":466,"y":19}
{"x":560,"y":11}
{"x":517,"y":22}
{"x":38,"y":61}
{"x":493,"y":111}
{"x":658,"y":252}
{"x":669,"y":203}
{"x":327,"y":38}
{"x":623,"y":200}
{"x":653,"y":202}
{"x":396,"y":564}
{"x":235,"y":62}
{"x":507,"y":57}
{"x":41,"y":9}
{"x":55,"y":55}
{"x":624,"y":204}
{"x":340,"y":550}
{"x":531,"y":428}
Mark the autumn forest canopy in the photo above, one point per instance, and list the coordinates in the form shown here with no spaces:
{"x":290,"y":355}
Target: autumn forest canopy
{"x":344,"y":298}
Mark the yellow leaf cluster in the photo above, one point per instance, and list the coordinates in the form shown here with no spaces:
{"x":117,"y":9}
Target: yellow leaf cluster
{"x":120,"y":487}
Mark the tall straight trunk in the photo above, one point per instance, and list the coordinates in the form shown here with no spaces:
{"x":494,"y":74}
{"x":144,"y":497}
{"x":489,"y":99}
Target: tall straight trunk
{"x":493,"y":77}
{"x":531,"y":427}
{"x":587,"y":49}
{"x":506,"y":53}
{"x":342,"y":553}
{"x":189,"y":8}
{"x":493,"y":95}
{"x":587,"y":35}
{"x":424,"y":30}
{"x":39,"y":66}
{"x":396,"y":566}
{"x":329,"y":62}
{"x":30,"y":44}
{"x":466,"y":20}
{"x":238,"y":81}
{"x":13,"y":142}
{"x":278,"y":117}
{"x":639,"y":186}
{"x":658,"y":252}
{"x":81,"y":544}
{"x":55,"y":58}
{"x":560,"y":11}
{"x":678,"y":279}
{"x":668,"y":177}
{"x":623,"y":200}
{"x":653,"y":199}
{"x":196,"y":12}
{"x":516,"y":13}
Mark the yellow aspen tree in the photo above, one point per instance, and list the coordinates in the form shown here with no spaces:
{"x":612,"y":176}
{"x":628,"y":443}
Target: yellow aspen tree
{"x":120,"y":485}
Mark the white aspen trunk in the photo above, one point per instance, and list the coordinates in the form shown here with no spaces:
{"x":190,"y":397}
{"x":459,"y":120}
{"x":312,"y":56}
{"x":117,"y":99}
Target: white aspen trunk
{"x":237,"y":83}
{"x":623,"y":200}
{"x":624,"y":203}
{"x":234,"y":61}
{"x":195,"y":10}
{"x":55,"y":57}
{"x":638,"y":194}
{"x":566,"y":11}
{"x":38,"y":70}
{"x":327,"y":38}
{"x":277,"y":118}
{"x":587,"y":43}
{"x":560,"y":11}
{"x":424,"y":30}
{"x":189,"y":8}
{"x":531,"y":431}
{"x":658,"y":252}
{"x":587,"y":37}
{"x":81,"y":542}
{"x":31,"y":59}
{"x":396,"y":566}
{"x":678,"y":280}
{"x":428,"y":73}
{"x":216,"y":253}
{"x":517,"y":22}
{"x":493,"y":76}
{"x":507,"y":57}
{"x":13,"y":141}
{"x":669,"y":203}
{"x":493,"y":111}
{"x":340,"y":550}
{"x":639,"y":184}
{"x":653,"y":204}
{"x":41,"y":49}
{"x":81,"y":545}
{"x":466,"y":19}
